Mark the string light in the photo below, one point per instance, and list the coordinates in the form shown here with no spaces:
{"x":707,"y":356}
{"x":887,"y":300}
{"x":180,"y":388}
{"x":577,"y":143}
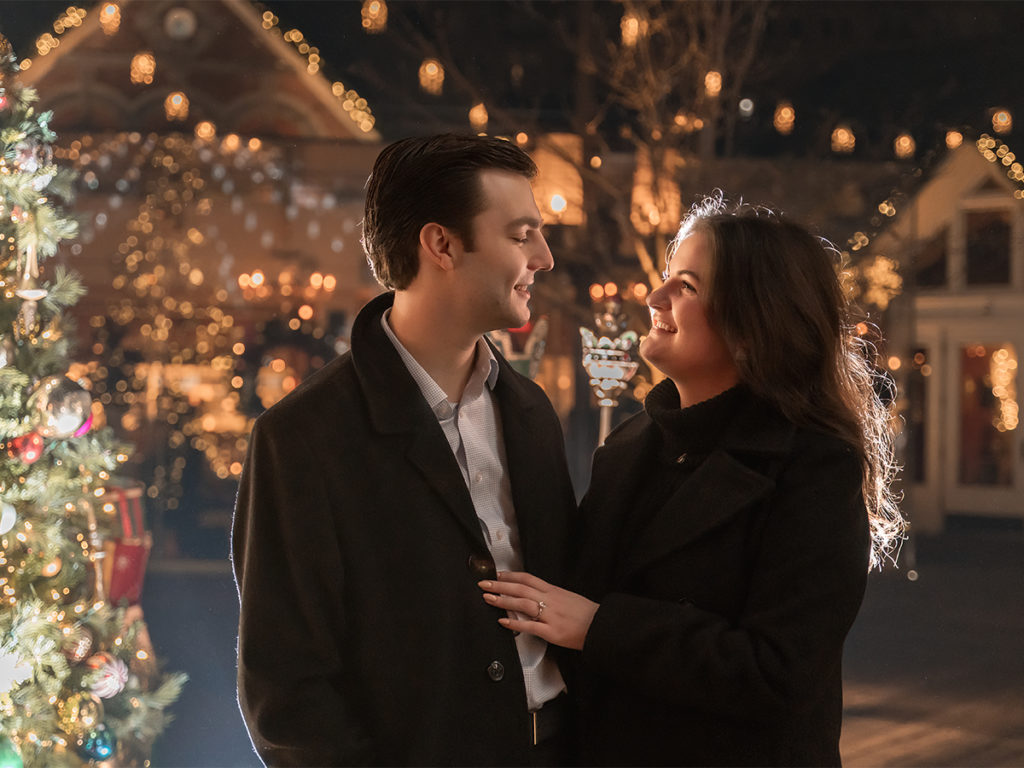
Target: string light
{"x":375,"y":16}
{"x":633,"y":28}
{"x":904,"y":146}
{"x":843,"y":140}
{"x":176,"y":106}
{"x":713,"y":84}
{"x":954,"y":139}
{"x":432,"y":76}
{"x":478,"y":116}
{"x":785,"y":118}
{"x":110,"y":18}
{"x":143,"y":67}
{"x":1002,"y":121}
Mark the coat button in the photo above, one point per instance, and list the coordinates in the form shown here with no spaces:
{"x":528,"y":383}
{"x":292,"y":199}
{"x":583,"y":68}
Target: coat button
{"x":482,"y":566}
{"x":496,"y":671}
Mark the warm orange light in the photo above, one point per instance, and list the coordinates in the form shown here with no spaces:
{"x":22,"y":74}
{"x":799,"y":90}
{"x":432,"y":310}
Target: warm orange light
{"x":316,"y":280}
{"x":610,"y":289}
{"x":205,"y":130}
{"x":330,"y":282}
{"x":244,"y":281}
{"x":713,"y":83}
{"x":257,"y":278}
{"x":305,"y":312}
{"x":640,"y":291}
{"x":596,"y":291}
{"x":478,"y":116}
{"x":238,"y":348}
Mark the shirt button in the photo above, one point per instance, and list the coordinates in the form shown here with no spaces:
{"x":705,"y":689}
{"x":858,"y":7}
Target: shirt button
{"x":496,"y":671}
{"x":500,"y":535}
{"x":479,"y":478}
{"x":482,"y":566}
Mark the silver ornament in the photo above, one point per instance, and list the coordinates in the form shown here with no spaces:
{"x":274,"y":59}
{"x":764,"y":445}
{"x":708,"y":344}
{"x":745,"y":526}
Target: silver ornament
{"x":7,"y":351}
{"x":62,"y":406}
{"x":8,"y":517}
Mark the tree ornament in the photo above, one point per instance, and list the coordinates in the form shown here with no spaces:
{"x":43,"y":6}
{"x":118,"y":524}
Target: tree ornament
{"x":27,"y":449}
{"x":14,"y":670}
{"x":8,"y":351}
{"x":77,"y":643}
{"x":28,"y":287}
{"x":8,"y":517}
{"x":79,"y":713}
{"x":62,"y":405}
{"x":52,"y":568}
{"x":9,"y":756}
{"x":97,"y":743}
{"x":113,"y":675}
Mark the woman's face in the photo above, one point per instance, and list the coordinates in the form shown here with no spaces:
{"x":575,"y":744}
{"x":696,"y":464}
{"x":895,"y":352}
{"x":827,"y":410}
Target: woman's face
{"x":682,"y":344}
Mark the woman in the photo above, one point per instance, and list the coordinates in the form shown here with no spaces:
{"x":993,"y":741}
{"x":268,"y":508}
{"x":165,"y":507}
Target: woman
{"x":729,"y":527}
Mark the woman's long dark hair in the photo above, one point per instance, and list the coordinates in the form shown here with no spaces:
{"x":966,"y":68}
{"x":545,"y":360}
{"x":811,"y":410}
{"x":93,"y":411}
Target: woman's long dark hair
{"x":775,"y":296}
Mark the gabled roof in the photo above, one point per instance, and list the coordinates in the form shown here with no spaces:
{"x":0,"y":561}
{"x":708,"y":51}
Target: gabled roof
{"x":984,"y":168}
{"x":235,"y":66}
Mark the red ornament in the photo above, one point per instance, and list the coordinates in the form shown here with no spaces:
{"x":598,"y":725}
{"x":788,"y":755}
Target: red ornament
{"x":27,"y":448}
{"x":3,"y":102}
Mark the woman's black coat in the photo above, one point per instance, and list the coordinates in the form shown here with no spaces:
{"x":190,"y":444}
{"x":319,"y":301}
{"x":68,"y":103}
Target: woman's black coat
{"x":720,"y":633}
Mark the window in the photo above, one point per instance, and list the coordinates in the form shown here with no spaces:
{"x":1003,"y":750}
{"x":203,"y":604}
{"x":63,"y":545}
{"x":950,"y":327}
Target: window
{"x":988,"y":247}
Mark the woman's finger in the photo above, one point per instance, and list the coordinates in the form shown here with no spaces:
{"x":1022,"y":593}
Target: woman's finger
{"x":509,"y":588}
{"x":521,"y":605}
{"x":537,"y":628}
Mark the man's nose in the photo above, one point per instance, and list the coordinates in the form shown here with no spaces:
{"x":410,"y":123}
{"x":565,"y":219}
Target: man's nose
{"x":542,"y":260}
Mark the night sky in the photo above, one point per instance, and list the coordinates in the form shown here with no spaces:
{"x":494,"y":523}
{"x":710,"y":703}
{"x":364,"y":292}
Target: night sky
{"x":884,"y":68}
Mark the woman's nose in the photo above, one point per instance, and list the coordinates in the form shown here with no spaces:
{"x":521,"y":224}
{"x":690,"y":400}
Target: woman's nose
{"x":657,"y":299}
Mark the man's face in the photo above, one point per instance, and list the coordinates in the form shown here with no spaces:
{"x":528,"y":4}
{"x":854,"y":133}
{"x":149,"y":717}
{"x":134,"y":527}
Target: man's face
{"x":494,"y":279}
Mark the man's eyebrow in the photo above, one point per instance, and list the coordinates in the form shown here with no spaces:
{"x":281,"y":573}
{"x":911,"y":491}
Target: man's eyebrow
{"x":529,"y":221}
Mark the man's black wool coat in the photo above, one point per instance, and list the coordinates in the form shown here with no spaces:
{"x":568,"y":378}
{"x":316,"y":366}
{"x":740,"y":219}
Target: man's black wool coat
{"x":364,"y":638}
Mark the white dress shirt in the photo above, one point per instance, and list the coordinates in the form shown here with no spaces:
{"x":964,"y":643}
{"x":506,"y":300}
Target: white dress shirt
{"x":473,"y":429}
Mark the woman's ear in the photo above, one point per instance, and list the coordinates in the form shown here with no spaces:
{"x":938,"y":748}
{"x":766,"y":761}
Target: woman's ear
{"x":436,"y":243}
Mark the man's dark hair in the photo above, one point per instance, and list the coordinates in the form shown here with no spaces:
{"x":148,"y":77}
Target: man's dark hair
{"x":433,"y":179}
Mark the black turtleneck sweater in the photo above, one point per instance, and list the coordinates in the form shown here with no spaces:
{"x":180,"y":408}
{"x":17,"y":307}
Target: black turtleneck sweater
{"x":686,"y":436}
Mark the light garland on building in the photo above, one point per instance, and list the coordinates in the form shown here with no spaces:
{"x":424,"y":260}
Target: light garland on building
{"x":191,"y":330}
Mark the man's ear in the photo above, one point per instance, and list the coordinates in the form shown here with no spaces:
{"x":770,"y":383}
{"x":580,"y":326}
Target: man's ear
{"x":438,"y":245}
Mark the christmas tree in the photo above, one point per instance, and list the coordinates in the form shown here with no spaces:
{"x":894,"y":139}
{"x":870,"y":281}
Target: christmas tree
{"x":78,"y":679}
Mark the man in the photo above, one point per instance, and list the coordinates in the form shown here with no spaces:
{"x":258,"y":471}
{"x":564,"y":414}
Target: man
{"x":377,"y":494}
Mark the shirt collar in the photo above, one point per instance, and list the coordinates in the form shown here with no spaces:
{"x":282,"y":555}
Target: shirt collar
{"x":485,"y":370}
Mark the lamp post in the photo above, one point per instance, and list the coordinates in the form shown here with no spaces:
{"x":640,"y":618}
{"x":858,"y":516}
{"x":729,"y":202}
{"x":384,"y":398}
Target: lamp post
{"x":608,"y":358}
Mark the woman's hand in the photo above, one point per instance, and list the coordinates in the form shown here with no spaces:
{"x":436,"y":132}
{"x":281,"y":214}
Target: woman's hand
{"x":549,"y":612}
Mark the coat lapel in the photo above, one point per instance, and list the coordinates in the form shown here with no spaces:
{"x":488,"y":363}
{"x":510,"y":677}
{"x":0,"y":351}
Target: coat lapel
{"x":529,"y":475}
{"x":718,"y":489}
{"x":725,"y":484}
{"x":396,"y":407}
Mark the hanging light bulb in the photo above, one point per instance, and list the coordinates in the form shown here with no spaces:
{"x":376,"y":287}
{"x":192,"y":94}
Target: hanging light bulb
{"x":375,"y":16}
{"x":843,"y":140}
{"x":904,"y":146}
{"x":432,"y":76}
{"x":785,"y":118}
{"x":478,"y":116}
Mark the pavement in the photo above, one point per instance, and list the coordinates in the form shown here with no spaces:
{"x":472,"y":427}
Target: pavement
{"x":934,"y":667}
